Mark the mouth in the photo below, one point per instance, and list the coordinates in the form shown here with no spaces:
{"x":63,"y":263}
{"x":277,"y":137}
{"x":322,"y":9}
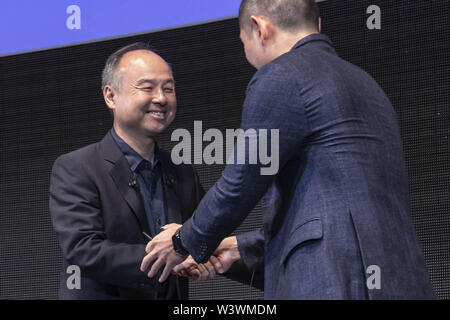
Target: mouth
{"x":158,"y":115}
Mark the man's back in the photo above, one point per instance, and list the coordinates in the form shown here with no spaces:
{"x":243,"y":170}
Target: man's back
{"x":337,"y":212}
{"x":344,"y":191}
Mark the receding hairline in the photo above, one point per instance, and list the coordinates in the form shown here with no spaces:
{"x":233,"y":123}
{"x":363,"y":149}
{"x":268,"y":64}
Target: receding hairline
{"x":152,"y":53}
{"x":118,"y":68}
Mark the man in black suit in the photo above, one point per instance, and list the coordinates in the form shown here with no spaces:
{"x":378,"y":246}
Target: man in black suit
{"x":104,"y":196}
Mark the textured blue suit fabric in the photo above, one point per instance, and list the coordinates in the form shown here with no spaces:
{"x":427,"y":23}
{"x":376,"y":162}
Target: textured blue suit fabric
{"x":339,"y":203}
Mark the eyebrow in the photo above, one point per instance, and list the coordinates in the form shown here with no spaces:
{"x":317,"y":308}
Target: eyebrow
{"x":152,"y":81}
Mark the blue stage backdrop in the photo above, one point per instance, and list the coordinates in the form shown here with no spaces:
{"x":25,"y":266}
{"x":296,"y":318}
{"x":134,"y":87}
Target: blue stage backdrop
{"x":30,"y":25}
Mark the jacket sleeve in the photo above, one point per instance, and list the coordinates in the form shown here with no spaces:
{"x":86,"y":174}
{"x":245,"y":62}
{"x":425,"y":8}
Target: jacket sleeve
{"x":250,"y":268}
{"x":273,"y":114}
{"x":78,"y":221}
{"x":251,"y":249}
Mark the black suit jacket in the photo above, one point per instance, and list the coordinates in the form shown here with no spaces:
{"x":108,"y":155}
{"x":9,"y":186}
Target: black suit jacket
{"x":99,"y":220}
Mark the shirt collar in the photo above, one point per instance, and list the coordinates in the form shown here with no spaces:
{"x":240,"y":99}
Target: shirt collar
{"x":311,"y":38}
{"x":134,"y":159}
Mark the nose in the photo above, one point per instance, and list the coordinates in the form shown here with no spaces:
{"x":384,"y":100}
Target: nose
{"x":159,"y":97}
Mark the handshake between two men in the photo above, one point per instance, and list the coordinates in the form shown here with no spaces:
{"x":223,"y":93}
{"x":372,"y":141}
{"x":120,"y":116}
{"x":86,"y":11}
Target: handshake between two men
{"x":161,"y":253}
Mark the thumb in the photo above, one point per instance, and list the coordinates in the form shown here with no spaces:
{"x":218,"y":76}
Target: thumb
{"x":186,"y":264}
{"x":178,"y":268}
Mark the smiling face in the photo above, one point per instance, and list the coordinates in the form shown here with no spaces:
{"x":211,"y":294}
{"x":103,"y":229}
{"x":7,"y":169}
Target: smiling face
{"x":145,"y":103}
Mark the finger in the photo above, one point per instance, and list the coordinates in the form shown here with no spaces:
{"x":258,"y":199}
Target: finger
{"x":149,"y":247}
{"x":198,"y":272}
{"x":218,"y":266}
{"x":170,"y":225}
{"x":204,"y":273}
{"x":211,"y":270}
{"x":186,"y":264}
{"x":148,"y":259}
{"x":178,"y":268}
{"x":184,"y":273}
{"x":214,"y":261}
{"x":165,"y":274}
{"x":187,"y":268}
{"x":155,"y":267}
{"x":194,"y":273}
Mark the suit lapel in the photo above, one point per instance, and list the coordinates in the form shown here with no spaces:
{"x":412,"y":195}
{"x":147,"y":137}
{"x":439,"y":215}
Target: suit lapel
{"x":170,"y":186}
{"x":122,"y":176}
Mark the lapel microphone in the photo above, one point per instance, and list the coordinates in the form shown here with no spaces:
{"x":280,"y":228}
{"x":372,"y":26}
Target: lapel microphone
{"x":133,"y":183}
{"x":168,"y":180}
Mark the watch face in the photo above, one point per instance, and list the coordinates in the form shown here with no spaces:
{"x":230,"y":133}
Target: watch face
{"x":177,"y":245}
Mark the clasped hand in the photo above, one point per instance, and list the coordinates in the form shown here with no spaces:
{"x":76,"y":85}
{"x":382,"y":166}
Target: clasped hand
{"x":160,"y":252}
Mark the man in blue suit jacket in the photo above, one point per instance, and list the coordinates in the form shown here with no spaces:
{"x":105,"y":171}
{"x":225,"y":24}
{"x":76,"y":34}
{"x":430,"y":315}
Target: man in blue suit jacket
{"x":337,"y":220}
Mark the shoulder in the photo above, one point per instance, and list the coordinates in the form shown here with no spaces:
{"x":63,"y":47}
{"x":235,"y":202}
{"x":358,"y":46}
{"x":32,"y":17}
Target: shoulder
{"x":76,"y":159}
{"x":274,"y":83}
{"x":278,"y":68}
{"x":275,"y":75}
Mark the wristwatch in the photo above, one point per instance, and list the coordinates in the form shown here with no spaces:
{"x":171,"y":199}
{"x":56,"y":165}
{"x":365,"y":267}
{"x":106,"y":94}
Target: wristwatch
{"x":178,"y":245}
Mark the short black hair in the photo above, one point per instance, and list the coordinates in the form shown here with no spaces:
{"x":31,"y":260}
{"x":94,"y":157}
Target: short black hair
{"x":288,"y":15}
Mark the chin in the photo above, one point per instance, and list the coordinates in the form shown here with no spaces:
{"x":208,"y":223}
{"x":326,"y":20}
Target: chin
{"x":155,"y":130}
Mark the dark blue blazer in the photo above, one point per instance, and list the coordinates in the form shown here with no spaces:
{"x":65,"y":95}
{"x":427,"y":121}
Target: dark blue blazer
{"x":339,"y":204}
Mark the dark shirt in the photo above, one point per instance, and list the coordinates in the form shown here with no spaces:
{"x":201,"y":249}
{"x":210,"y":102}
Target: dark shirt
{"x":149,"y":179}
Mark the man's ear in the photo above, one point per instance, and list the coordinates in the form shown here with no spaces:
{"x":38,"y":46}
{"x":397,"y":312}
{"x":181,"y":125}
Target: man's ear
{"x":320,"y":25}
{"x":264,"y":27}
{"x":109,"y":96}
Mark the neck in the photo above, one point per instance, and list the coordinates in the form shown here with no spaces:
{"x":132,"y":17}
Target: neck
{"x":143,"y":145}
{"x":286,"y":40}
